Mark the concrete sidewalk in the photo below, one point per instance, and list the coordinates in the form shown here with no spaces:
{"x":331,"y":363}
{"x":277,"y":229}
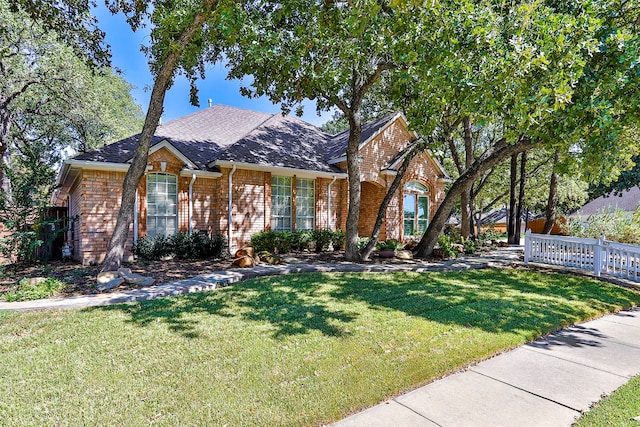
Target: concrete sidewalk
{"x":545,"y":383}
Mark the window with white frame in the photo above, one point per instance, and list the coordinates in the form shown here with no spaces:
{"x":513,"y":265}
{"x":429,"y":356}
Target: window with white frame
{"x":305,"y":204}
{"x":416,"y":208}
{"x":281,"y":203}
{"x":162,"y":204}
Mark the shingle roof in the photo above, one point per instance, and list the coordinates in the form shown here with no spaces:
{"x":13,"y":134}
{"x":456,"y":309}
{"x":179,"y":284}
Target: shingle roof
{"x":338,"y":144}
{"x":118,"y":152}
{"x":220,"y":124}
{"x":229,"y":133}
{"x":627,"y":201}
{"x":283,"y":142}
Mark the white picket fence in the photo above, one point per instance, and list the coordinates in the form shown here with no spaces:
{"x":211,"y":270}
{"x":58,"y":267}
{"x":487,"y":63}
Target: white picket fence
{"x":597,"y":255}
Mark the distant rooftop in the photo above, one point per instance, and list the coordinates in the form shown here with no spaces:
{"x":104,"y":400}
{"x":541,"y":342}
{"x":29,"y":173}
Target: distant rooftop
{"x":628,"y":201}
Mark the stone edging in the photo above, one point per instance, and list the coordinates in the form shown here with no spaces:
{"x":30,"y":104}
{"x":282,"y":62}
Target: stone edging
{"x":220,"y":279}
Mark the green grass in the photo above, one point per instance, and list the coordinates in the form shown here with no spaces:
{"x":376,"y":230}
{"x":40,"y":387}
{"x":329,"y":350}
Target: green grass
{"x":33,"y":289}
{"x":287,"y":350}
{"x":619,"y":409}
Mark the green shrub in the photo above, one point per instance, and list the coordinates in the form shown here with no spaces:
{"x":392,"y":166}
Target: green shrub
{"x":339,"y":240}
{"x":362,"y":242}
{"x":486,"y":237}
{"x":445,"y":247}
{"x":182,"y":246}
{"x":615,"y":225}
{"x":32,"y":290}
{"x":152,"y":248}
{"x":302,"y":240}
{"x":454,"y":233}
{"x":389,"y":245}
{"x":282,"y":242}
{"x":469,"y":247}
{"x":322,"y":240}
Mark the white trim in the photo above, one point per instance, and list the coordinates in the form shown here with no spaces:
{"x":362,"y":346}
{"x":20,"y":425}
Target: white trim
{"x":277,"y":170}
{"x":166,"y":144}
{"x":100,"y":166}
{"x":199,"y":173}
{"x":376,"y":133}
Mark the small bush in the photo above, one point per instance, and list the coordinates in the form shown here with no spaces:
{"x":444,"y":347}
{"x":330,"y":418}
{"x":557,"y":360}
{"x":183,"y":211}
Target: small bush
{"x":282,"y":242}
{"x":182,"y":246}
{"x":454,"y":233}
{"x":339,"y":240}
{"x":469,"y":247}
{"x":389,"y":245}
{"x":322,"y":240}
{"x":152,"y":248}
{"x":362,"y":242}
{"x":445,"y":247}
{"x":615,"y":225}
{"x":27,"y":291}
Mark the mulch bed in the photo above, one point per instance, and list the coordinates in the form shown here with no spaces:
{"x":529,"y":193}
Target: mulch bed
{"x":82,"y":280}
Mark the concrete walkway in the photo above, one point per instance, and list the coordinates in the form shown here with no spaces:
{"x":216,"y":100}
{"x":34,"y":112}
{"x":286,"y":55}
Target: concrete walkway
{"x":545,"y":383}
{"x":206,"y":282}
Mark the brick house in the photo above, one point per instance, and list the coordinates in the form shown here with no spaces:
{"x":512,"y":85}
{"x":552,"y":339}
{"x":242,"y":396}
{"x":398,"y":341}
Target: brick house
{"x":224,"y":165}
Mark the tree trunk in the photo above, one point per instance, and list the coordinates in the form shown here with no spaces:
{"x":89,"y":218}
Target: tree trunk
{"x":490,"y":158}
{"x":115,"y":251}
{"x":352,"y":252}
{"x":520,"y":209}
{"x":552,"y":203}
{"x":511,"y":219}
{"x":5,"y":125}
{"x":465,"y":196}
{"x":366,"y":252}
{"x":465,"y":212}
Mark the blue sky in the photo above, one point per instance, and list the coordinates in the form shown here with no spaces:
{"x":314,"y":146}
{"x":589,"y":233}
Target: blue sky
{"x":125,"y":48}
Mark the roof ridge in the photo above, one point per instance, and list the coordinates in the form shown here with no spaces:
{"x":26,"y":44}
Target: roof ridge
{"x":202,"y":110}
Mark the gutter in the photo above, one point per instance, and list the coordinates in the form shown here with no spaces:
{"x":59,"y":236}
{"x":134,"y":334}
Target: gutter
{"x":193,"y":179}
{"x":329,"y":203}
{"x":278,"y":170}
{"x":230,"y":232}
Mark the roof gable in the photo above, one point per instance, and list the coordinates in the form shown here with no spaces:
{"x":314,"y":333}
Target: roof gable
{"x":338,"y":144}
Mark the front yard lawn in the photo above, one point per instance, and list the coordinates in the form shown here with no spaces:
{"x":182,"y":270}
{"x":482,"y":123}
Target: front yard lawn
{"x":619,"y":409}
{"x":287,"y":350}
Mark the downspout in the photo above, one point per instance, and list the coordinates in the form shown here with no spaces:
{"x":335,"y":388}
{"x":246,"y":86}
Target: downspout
{"x":193,"y":179}
{"x":135,"y":219}
{"x":329,"y":203}
{"x":233,"y":169}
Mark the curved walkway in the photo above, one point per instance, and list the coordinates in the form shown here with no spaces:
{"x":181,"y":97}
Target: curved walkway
{"x":219,"y":279}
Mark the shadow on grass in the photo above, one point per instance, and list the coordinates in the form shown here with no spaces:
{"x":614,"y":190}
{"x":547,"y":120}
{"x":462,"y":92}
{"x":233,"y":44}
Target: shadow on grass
{"x":519,"y":302}
{"x":288,"y":305}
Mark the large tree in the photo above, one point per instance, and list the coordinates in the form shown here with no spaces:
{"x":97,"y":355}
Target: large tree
{"x":49,"y":93}
{"x":49,"y":106}
{"x":541,"y":62}
{"x":185,"y":35}
{"x":332,"y":52}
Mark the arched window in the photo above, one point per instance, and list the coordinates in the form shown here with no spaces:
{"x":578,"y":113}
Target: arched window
{"x":162,"y":204}
{"x":416,"y":208}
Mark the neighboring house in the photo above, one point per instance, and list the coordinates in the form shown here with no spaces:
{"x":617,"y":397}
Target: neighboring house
{"x":497,"y":220}
{"x":256,"y":171}
{"x":627,"y":201}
